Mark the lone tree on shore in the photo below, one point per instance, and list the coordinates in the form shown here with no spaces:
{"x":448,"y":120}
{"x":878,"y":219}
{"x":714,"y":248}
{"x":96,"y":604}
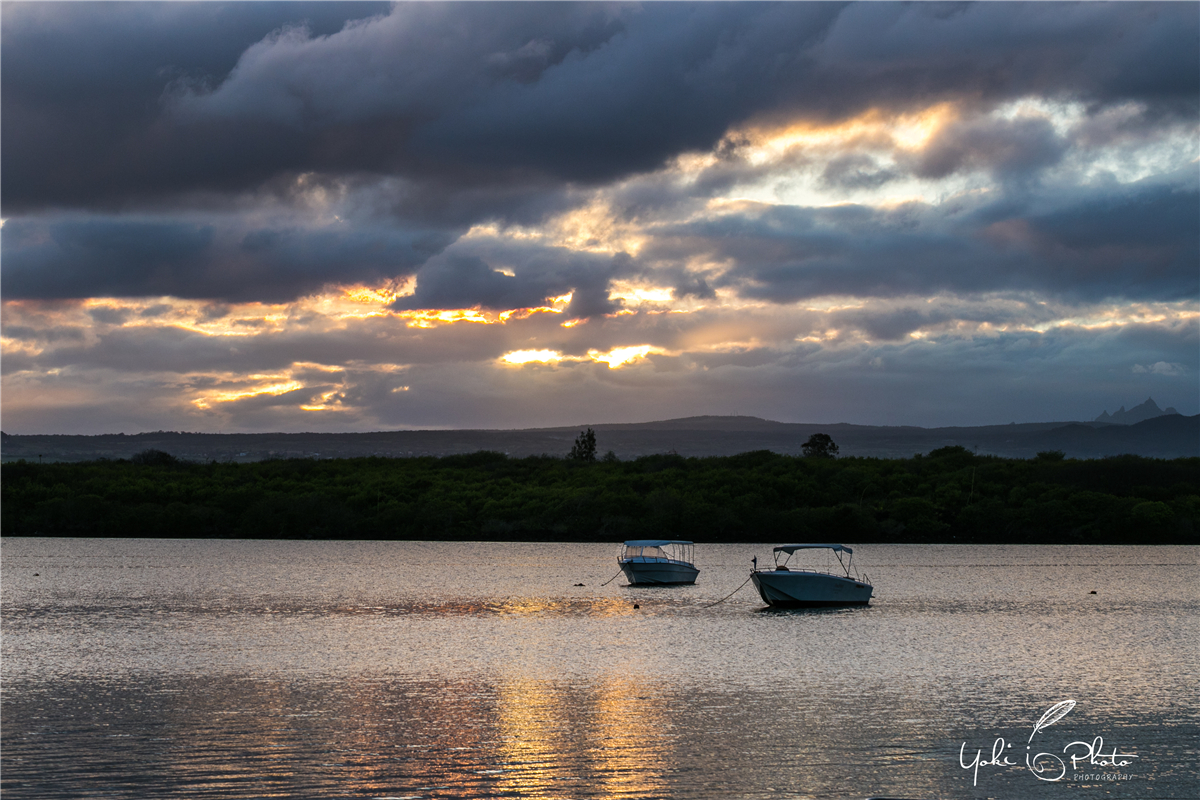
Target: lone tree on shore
{"x":153,"y":458}
{"x":585,"y":447}
{"x":820,"y":445}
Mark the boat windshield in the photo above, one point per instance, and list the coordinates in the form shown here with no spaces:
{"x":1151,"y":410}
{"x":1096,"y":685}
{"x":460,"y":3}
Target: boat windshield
{"x":645,"y":552}
{"x":657,"y":550}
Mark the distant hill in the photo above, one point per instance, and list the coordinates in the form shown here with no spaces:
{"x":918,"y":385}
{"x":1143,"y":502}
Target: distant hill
{"x":1164,"y":436}
{"x":1147,"y":410}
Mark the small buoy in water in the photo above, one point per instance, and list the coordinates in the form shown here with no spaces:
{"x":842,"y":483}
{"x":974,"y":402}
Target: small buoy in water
{"x":635,"y":605}
{"x":1093,"y":591}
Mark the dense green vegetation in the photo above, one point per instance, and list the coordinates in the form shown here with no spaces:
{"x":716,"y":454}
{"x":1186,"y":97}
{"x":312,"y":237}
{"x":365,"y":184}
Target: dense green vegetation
{"x":949,"y":495}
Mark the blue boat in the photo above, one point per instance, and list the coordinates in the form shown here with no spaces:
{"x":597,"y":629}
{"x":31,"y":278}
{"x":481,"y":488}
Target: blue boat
{"x":658,"y":562}
{"x":789,"y":587}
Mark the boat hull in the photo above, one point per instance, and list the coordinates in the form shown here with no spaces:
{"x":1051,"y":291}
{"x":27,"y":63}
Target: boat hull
{"x":658,"y":573}
{"x":790,"y":589}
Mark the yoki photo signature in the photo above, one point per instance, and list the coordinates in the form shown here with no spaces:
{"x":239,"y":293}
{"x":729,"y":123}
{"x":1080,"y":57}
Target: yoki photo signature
{"x":1047,"y":766}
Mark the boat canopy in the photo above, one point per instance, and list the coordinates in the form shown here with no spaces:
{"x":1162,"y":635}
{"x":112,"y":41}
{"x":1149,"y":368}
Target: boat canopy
{"x":654,"y":542}
{"x":791,"y":548}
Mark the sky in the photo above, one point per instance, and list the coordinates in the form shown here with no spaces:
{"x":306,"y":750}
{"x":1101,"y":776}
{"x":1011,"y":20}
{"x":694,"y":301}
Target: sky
{"x":351,"y":216}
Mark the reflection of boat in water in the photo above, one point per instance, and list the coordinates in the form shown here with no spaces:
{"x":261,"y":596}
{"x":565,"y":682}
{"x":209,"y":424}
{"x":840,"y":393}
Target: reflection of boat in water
{"x":657,"y":562}
{"x":788,"y":587}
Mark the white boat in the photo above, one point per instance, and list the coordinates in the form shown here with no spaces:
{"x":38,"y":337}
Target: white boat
{"x":657,"y":562}
{"x":790,"y":587}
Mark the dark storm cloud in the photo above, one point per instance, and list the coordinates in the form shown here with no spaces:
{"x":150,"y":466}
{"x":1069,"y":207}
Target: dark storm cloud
{"x":82,"y":84}
{"x":31,"y":333}
{"x":855,"y":171}
{"x":431,"y":117}
{"x":1137,"y":243}
{"x":76,"y":258}
{"x":1007,"y":148}
{"x":675,"y":79}
{"x":109,"y":316}
{"x":784,"y":254}
{"x":434,"y":203}
{"x":1100,"y":53}
{"x":200,"y":97}
{"x":678,"y":76}
{"x":122,"y":132}
{"x":890,"y":322}
{"x":687,"y":284}
{"x":463,"y":279}
{"x":80,"y":256}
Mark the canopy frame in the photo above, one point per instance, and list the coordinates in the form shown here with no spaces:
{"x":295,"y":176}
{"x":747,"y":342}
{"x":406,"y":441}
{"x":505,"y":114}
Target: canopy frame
{"x":837,"y":549}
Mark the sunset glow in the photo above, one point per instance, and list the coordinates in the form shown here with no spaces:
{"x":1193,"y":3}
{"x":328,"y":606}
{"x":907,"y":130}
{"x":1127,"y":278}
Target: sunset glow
{"x":228,"y":397}
{"x":532,"y":356}
{"x":620,"y":356}
{"x":875,"y":129}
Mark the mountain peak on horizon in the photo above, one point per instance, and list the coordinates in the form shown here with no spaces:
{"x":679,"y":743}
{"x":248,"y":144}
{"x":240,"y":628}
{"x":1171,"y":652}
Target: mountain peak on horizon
{"x":1139,"y":413}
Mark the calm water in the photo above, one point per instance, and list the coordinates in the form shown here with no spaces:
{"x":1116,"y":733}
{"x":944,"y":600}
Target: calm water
{"x":149,"y":668}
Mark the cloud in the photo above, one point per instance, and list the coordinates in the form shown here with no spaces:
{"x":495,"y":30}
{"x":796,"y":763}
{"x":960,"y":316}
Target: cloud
{"x":855,"y":171}
{"x":517,"y":278}
{"x":82,"y":83}
{"x":999,"y":51}
{"x":273,"y":215}
{"x":411,"y":64}
{"x":465,"y":282}
{"x":1140,"y":242}
{"x":220,"y":258}
{"x":414,"y":122}
{"x":78,"y":257}
{"x":471,"y":94}
{"x":1007,"y":148}
{"x":1063,"y":373}
{"x":1159,"y":368}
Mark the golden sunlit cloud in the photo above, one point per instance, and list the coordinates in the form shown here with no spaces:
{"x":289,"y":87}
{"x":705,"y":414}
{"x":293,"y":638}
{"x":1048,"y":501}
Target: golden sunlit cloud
{"x":428,"y":318}
{"x":638,"y":293}
{"x":616,"y":357}
{"x":226,"y":397}
{"x":243,"y":319}
{"x":310,"y":365}
{"x":620,"y":356}
{"x":380,"y":295}
{"x":336,"y":305}
{"x":821,"y":336}
{"x":531,"y":356}
{"x":431,"y":317}
{"x":728,"y":325}
{"x":590,"y":228}
{"x":1122,"y":316}
{"x":325,"y":403}
{"x":874,"y":128}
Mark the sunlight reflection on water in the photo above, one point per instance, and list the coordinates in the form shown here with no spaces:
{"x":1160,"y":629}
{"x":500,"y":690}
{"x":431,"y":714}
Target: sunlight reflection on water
{"x":416,"y":669}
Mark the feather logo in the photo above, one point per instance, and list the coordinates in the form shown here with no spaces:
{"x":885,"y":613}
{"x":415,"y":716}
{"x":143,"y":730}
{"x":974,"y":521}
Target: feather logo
{"x":1052,"y":715}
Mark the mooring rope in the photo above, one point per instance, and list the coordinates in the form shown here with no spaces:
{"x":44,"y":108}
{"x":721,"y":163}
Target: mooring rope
{"x":731,"y":594}
{"x":610,"y":580}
